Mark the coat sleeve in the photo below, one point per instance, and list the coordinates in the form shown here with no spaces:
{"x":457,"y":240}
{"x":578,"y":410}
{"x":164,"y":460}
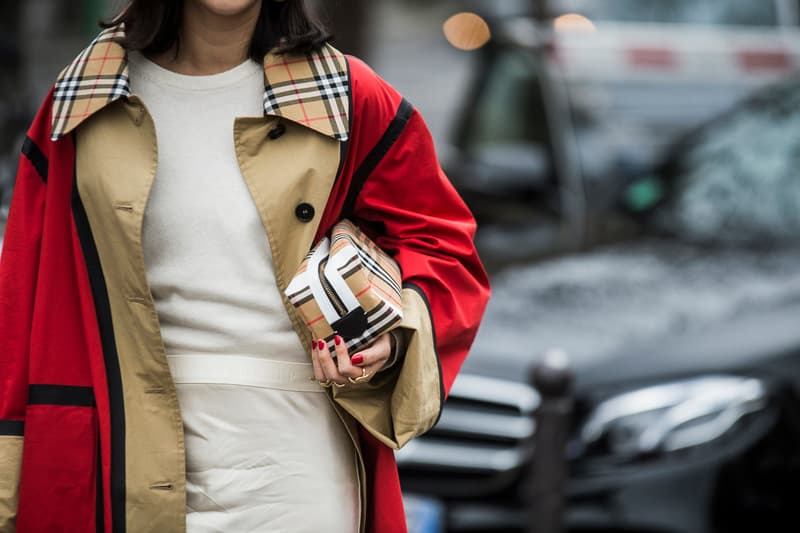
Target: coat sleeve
{"x":19,"y":265}
{"x":400,"y":191}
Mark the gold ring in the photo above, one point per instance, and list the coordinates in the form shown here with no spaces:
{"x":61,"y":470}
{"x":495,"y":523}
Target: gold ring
{"x":338,"y":385}
{"x":325,"y":384}
{"x":364,"y":375}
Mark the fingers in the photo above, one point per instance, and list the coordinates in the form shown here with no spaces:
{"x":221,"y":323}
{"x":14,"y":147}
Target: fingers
{"x":319,"y":375}
{"x":327,"y":364}
{"x":338,"y":371}
{"x":375,"y":357}
{"x":345,"y":366}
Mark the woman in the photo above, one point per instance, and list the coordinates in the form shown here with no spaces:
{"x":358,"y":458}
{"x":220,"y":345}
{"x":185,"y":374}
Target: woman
{"x":154,"y":378}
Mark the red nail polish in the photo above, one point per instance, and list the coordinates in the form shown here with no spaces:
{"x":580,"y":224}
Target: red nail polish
{"x":338,"y":340}
{"x":357,"y":359}
{"x":321,"y":345}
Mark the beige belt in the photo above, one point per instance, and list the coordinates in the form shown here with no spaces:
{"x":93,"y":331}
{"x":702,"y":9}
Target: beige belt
{"x":245,"y":370}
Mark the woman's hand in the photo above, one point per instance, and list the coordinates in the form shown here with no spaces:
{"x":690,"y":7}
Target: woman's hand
{"x":362,"y":366}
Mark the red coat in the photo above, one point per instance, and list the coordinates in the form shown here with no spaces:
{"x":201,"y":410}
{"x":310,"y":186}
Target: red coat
{"x":79,"y":355}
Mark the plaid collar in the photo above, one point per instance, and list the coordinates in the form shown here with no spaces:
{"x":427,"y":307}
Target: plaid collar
{"x":311,"y":89}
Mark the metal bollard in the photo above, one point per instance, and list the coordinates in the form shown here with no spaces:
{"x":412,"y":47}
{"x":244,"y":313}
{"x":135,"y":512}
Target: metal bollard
{"x":548,"y":469}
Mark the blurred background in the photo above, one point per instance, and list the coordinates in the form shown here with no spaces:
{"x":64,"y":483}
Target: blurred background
{"x":634,"y":166}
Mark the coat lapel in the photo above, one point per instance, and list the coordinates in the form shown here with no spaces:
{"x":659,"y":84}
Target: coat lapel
{"x":97,"y":77}
{"x":311,"y":90}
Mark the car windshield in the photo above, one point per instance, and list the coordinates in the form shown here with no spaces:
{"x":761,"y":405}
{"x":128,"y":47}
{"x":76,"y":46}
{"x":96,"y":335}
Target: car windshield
{"x":736,"y":180}
{"x":714,"y":12}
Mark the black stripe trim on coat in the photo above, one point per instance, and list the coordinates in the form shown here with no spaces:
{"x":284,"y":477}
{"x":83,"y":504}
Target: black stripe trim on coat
{"x":67,"y":395}
{"x":12,"y":428}
{"x":110,"y":356}
{"x":416,"y":288}
{"x":36,"y":157}
{"x":376,"y":155}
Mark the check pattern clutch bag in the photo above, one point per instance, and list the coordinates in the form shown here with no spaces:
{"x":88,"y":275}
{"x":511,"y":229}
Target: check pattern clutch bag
{"x":348,"y":286}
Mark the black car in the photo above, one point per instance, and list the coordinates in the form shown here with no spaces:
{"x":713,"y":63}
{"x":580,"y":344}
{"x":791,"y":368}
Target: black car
{"x":682,"y":323}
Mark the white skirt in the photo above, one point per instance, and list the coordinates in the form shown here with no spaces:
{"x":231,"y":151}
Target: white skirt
{"x":265,"y":449}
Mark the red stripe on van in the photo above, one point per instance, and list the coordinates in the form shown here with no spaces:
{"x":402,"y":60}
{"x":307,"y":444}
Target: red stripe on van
{"x":755,"y":60}
{"x":661,"y":58}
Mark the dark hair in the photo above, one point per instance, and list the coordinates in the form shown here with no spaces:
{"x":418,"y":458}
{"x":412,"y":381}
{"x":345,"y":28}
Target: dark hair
{"x":152,"y":27}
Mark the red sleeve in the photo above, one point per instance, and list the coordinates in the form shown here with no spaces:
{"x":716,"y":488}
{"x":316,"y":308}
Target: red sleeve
{"x":19,"y":269}
{"x":418,"y":215}
{"x":19,"y":265}
{"x":392,"y":186}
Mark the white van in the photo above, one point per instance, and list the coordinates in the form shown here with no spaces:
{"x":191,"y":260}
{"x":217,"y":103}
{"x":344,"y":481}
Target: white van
{"x":637,"y":73}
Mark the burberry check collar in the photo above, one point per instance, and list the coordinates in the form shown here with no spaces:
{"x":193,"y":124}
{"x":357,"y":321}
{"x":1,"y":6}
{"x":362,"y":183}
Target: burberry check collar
{"x":309,"y":89}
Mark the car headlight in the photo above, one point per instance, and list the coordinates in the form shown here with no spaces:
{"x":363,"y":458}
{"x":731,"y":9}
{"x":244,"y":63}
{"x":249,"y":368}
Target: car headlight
{"x":672,"y":416}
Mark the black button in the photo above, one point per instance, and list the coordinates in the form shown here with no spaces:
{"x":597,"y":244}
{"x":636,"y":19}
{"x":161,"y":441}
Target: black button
{"x":277,"y":131}
{"x":304,"y":212}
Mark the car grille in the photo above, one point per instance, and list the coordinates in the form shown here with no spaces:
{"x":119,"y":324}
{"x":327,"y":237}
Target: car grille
{"x":479,"y":444}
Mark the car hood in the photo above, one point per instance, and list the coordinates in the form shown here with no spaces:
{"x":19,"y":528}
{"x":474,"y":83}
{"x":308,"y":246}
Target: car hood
{"x":597,"y":305}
